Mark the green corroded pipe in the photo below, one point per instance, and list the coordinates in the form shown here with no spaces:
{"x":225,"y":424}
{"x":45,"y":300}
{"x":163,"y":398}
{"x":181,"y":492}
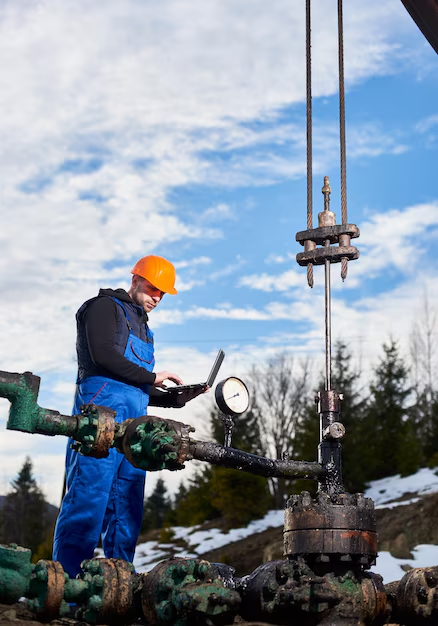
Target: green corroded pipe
{"x":15,"y":572}
{"x":25,"y":415}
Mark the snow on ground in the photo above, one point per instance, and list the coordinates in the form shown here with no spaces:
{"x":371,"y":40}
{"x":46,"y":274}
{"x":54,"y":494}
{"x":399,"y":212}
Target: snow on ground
{"x":383,"y":492}
{"x":387,"y":490}
{"x":390,"y":568}
{"x":201,"y":541}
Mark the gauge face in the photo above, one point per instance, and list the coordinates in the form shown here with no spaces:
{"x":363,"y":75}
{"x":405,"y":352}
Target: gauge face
{"x":232,"y":396}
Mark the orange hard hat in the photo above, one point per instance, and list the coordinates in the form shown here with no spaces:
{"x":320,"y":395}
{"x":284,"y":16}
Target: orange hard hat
{"x":158,"y":271}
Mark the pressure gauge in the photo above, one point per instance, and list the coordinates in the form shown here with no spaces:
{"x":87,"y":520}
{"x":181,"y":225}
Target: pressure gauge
{"x":232,"y":396}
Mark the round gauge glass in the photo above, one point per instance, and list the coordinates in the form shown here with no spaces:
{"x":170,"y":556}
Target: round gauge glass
{"x":232,"y":396}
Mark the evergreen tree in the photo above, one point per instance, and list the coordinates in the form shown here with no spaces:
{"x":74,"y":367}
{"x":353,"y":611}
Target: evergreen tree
{"x":196,"y":506}
{"x":215,"y":491}
{"x":391,"y":445}
{"x":238,"y":496}
{"x":156,"y":507}
{"x":25,"y":511}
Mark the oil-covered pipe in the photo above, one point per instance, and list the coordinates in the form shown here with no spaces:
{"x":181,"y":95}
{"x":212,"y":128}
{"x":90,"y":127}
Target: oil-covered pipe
{"x":237,"y":459}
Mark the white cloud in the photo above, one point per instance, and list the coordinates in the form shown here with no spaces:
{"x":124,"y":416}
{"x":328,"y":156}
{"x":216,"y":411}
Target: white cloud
{"x":426,"y":124}
{"x":105,"y":108}
{"x":218,"y":213}
{"x":264,"y":282}
{"x":202,"y":260}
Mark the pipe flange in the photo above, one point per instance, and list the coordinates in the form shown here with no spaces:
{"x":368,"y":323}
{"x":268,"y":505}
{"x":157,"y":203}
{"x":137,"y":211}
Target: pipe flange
{"x":96,"y":435}
{"x":340,"y":527}
{"x":154,"y":443}
{"x":109,"y":591}
{"x":416,"y":597}
{"x":46,"y":592}
{"x":286,"y":592}
{"x":188,"y":591}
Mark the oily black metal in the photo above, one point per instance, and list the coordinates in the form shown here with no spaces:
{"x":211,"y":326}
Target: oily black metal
{"x":331,"y":529}
{"x":331,"y":431}
{"x":293,"y":592}
{"x":414,"y":599}
{"x":228,"y":422}
{"x":237,"y":459}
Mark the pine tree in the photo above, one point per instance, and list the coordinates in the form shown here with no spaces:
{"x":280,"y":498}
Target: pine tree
{"x":391,"y":445}
{"x":156,"y":507}
{"x":25,"y":511}
{"x":238,"y":496}
{"x":196,"y":506}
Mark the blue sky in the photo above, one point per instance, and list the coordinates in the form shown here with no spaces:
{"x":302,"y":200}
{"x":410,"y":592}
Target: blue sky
{"x":178,"y":128}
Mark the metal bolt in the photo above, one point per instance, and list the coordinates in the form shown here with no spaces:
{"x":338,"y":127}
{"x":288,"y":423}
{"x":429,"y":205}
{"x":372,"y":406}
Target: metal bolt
{"x":94,"y":603}
{"x":272,"y":586}
{"x":422,"y":594}
{"x":360,"y":500}
{"x":99,"y":580}
{"x":94,"y":566}
{"x":306,"y":499}
{"x":136,"y":448}
{"x":431,"y":577}
{"x":41,"y":573}
{"x":201,"y":570}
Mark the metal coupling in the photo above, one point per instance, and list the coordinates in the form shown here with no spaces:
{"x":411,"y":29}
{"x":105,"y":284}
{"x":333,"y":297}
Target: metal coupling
{"x":95,"y":431}
{"x":188,"y":591}
{"x":153,"y":443}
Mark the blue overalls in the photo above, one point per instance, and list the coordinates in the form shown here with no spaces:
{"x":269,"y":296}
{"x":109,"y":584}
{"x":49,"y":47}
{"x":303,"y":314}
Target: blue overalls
{"x":104,"y":496}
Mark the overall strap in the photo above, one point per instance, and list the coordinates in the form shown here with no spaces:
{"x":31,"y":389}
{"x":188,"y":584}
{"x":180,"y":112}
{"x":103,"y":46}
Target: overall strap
{"x":117,"y":301}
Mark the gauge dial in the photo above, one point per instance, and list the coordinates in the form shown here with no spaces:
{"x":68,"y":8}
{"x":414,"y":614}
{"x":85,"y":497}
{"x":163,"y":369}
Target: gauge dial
{"x":232,"y":396}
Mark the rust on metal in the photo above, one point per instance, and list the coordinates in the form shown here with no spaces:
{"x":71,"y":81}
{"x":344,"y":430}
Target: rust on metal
{"x":105,"y":432}
{"x":415,"y":597}
{"x":54,"y":592}
{"x":342,"y":526}
{"x":117,"y":590}
{"x":375,"y":600}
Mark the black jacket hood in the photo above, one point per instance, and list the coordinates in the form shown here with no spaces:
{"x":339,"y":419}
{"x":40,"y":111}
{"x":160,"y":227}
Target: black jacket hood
{"x":123,"y":296}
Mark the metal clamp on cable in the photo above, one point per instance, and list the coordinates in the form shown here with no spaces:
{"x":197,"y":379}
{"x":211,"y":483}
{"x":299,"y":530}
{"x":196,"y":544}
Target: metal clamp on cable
{"x":327,"y":234}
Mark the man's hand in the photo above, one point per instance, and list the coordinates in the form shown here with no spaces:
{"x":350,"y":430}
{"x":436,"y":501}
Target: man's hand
{"x":181,"y":397}
{"x":166,"y":375}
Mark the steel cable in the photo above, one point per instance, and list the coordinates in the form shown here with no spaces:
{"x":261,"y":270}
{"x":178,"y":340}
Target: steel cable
{"x":309,"y":132}
{"x":344,"y":261}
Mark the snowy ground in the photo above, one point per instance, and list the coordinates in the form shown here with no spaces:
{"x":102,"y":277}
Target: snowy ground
{"x":383,"y":492}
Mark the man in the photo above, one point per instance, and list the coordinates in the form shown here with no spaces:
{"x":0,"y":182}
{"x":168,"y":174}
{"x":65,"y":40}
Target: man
{"x":115,"y":352}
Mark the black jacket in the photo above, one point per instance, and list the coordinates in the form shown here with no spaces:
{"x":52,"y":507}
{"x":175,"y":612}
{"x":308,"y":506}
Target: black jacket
{"x":102,"y":334}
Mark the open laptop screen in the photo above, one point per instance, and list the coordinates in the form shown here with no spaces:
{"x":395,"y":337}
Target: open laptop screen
{"x":211,"y":377}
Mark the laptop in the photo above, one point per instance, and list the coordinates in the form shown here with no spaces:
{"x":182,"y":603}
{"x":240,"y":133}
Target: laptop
{"x":211,"y":377}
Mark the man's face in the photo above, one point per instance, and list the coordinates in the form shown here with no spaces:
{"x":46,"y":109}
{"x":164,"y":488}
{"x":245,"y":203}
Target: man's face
{"x":144,"y":294}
